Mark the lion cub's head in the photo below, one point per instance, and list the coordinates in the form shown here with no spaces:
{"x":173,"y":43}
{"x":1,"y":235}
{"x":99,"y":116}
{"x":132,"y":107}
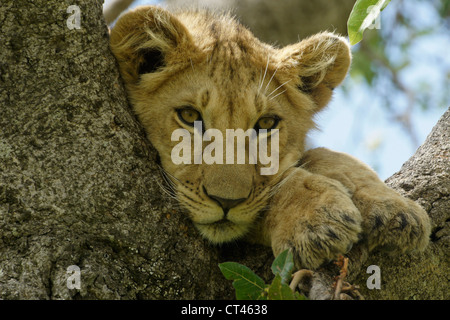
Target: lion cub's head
{"x":209,"y":76}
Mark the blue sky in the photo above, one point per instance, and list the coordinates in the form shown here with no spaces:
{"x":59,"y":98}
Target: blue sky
{"x":358,"y":123}
{"x":363,"y":129}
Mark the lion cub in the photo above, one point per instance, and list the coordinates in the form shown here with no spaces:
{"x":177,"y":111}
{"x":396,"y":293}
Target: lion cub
{"x":197,"y":77}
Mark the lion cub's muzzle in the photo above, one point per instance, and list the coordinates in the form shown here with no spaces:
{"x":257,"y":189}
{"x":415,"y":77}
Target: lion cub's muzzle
{"x":229,"y":187}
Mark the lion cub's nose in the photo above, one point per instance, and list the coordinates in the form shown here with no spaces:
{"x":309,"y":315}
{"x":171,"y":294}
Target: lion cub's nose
{"x":227,"y":204}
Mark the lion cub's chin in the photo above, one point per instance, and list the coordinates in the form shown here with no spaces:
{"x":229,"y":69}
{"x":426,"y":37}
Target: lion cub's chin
{"x":222,"y":231}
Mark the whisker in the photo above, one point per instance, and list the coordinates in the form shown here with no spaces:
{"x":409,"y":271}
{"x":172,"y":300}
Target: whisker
{"x":167,"y":191}
{"x":273,"y":75}
{"x":278,"y":88}
{"x":169,"y":175}
{"x":260,"y":79}
{"x":168,"y":181}
{"x":168,"y":186}
{"x":271,"y":98}
{"x":265,"y":73}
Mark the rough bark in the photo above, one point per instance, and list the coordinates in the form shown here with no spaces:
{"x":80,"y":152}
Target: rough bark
{"x":79,"y":182}
{"x":425,"y":178}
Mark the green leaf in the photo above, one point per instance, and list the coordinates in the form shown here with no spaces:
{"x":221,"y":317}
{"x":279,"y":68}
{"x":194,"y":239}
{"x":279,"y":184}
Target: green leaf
{"x":299,"y":296}
{"x":246,"y":283}
{"x":283,"y":265}
{"x":281,"y":291}
{"x":363,"y":14}
{"x":263,"y":295}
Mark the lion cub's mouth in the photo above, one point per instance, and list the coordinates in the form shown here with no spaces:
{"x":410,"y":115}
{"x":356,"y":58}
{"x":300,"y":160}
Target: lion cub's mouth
{"x":222,"y":230}
{"x":223,"y":222}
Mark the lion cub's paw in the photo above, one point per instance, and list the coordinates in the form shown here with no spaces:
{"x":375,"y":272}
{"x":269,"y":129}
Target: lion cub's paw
{"x":316,"y":219}
{"x":392,"y":222}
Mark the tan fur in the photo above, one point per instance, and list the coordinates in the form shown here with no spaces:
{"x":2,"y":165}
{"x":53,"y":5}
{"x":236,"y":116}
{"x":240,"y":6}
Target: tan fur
{"x":212,"y":63}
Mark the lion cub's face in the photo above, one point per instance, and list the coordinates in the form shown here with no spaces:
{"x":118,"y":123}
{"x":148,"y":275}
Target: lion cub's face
{"x":195,"y":79}
{"x":223,"y":199}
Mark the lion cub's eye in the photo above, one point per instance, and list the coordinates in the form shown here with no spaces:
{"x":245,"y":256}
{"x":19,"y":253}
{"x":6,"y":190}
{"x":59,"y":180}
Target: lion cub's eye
{"x":267,"y":123}
{"x":189,"y":115}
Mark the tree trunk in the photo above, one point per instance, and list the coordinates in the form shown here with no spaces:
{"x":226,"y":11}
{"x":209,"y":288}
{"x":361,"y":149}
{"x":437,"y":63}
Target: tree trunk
{"x":425,"y":178}
{"x":79,"y":183}
{"x":78,"y":180}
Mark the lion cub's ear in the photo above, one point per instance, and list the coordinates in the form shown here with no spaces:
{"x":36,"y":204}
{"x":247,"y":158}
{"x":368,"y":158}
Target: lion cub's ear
{"x":318,"y":64}
{"x":149,"y":39}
